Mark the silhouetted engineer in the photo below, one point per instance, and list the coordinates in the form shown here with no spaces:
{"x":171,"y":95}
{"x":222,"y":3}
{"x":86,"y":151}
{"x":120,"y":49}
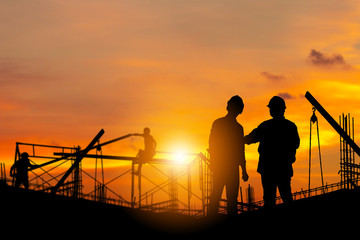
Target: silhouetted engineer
{"x":19,"y":170}
{"x":149,"y":148}
{"x":279,"y":140}
{"x":226,"y":147}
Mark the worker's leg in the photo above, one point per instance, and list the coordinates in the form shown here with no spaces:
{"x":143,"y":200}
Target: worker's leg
{"x":140,"y":157}
{"x":218,"y":186}
{"x":269,"y":188}
{"x":26,"y":182}
{"x":232,"y":192}
{"x":284,"y":185}
{"x":17,"y":182}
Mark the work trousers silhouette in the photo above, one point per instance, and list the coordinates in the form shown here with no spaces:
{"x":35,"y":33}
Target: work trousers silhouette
{"x":229,"y":180}
{"x":272,"y":181}
{"x":22,"y":180}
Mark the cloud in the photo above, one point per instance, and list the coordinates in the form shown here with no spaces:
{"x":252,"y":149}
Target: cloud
{"x":20,"y":73}
{"x":273,"y":77}
{"x":7,"y":66}
{"x":357,"y":46}
{"x":320,"y":59}
{"x":286,"y":95}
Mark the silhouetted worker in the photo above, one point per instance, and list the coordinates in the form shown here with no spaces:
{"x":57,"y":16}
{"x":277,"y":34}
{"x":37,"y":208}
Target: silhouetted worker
{"x":20,"y":170}
{"x":149,"y":148}
{"x":279,"y":140}
{"x":226,"y":147}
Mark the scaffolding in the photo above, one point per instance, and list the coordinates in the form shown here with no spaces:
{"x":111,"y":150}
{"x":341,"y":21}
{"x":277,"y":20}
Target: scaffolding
{"x":349,"y":170}
{"x":163,"y":185}
{"x":47,"y":175}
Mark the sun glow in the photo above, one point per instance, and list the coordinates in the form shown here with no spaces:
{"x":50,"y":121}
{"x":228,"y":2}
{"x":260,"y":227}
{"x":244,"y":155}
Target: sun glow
{"x":180,"y":157}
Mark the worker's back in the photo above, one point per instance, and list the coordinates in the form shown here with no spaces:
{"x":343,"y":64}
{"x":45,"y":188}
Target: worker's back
{"x":279,"y":140}
{"x":226,"y":144}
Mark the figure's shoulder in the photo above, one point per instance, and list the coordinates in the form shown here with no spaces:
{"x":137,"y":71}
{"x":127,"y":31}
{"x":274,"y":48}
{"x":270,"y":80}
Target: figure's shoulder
{"x":269,"y":121}
{"x":290,"y":123}
{"x":219,"y":121}
{"x":266,"y":123}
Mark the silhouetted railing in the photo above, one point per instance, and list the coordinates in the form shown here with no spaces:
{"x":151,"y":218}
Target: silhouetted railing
{"x":305,"y":193}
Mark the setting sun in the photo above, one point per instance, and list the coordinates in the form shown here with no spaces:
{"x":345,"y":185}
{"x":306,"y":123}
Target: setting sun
{"x":180,"y":157}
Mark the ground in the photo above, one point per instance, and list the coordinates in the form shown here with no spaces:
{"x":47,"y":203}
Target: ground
{"x":43,"y":214}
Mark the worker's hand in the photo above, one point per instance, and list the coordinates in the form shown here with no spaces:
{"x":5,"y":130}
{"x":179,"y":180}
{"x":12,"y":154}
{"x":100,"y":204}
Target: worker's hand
{"x":245,"y":176}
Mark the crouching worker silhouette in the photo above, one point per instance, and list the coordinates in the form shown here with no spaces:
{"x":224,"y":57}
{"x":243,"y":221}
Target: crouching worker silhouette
{"x":149,"y":148}
{"x":279,"y":140}
{"x":226,"y":147}
{"x":20,"y":170}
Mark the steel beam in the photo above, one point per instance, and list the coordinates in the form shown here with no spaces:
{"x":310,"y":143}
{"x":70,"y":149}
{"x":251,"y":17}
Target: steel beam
{"x":123,"y":158}
{"x":112,"y":141}
{"x":332,"y":122}
{"x":79,"y":156}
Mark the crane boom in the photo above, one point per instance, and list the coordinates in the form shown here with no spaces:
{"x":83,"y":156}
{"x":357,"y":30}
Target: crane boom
{"x":333,"y":123}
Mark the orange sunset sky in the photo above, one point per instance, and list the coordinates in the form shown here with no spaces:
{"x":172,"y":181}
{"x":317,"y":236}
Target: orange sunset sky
{"x":70,"y":68}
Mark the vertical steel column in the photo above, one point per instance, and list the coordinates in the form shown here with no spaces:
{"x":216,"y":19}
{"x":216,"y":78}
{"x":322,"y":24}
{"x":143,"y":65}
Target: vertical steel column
{"x":189,"y":187}
{"x":139,"y":183}
{"x":132,"y":183}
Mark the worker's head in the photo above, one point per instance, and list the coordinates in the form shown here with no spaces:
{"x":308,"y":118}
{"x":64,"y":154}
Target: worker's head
{"x":24,"y":155}
{"x":277,"y":106}
{"x":235,"y":105}
{"x":146,"y":131}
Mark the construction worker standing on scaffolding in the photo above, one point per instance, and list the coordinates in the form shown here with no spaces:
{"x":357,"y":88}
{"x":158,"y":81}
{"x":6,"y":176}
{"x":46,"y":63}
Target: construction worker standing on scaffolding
{"x":149,"y":148}
{"x":20,"y":170}
{"x":279,"y":140}
{"x":226,"y":147}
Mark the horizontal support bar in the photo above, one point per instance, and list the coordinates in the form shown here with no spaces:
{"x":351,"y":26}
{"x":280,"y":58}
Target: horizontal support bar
{"x":122,"y":158}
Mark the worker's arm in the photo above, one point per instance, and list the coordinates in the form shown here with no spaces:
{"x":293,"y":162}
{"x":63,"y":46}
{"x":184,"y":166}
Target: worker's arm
{"x":245,"y":176}
{"x":137,"y":134}
{"x":242,"y":161}
{"x":213,"y":137}
{"x":155,"y":144}
{"x":296,"y":138}
{"x":253,"y":137}
{"x":12,"y":170}
{"x":32,"y":166}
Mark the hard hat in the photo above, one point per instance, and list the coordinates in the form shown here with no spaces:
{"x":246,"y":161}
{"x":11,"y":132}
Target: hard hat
{"x":277,"y":102}
{"x":24,"y":155}
{"x":235,"y":102}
